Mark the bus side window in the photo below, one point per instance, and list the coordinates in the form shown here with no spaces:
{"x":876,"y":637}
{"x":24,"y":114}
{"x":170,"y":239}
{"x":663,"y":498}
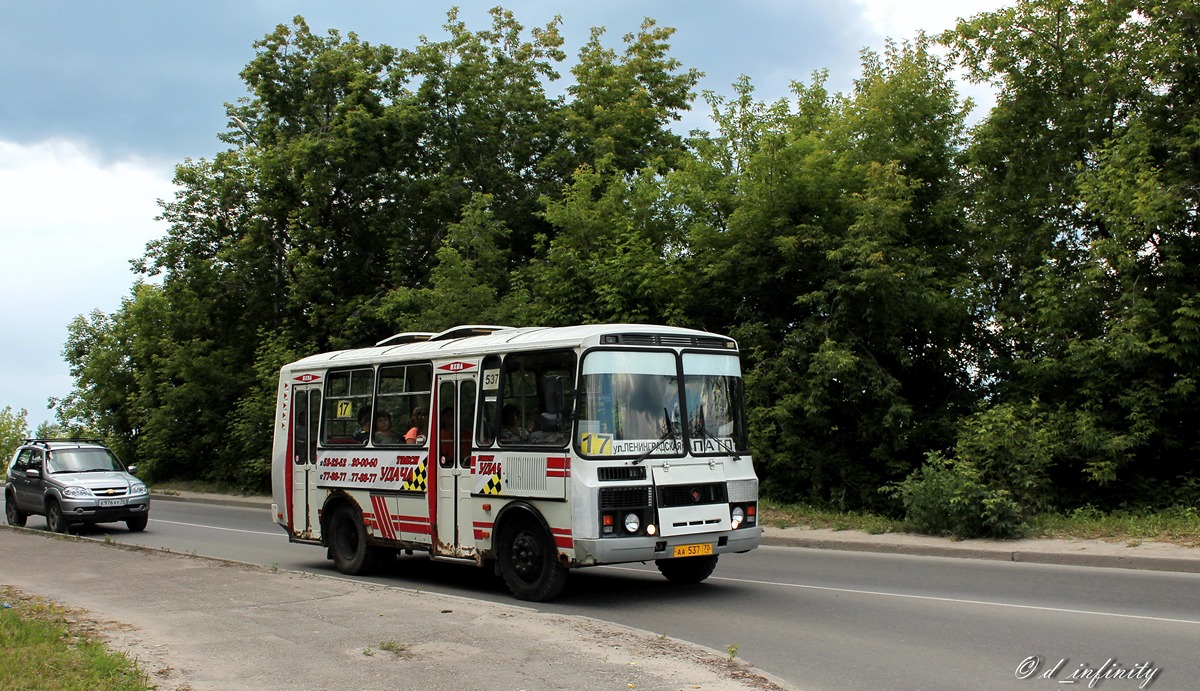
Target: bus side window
{"x":542,"y":411}
{"x":347,"y":407}
{"x":404,"y":395}
{"x":489,"y":402}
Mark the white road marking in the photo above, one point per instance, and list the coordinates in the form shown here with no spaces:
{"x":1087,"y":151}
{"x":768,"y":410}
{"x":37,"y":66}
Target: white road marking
{"x":213,"y":527}
{"x":952,"y":600}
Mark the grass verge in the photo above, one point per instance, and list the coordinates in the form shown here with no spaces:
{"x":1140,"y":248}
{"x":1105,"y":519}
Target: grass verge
{"x":1179,"y":525}
{"x":45,"y":644}
{"x":175,"y":487}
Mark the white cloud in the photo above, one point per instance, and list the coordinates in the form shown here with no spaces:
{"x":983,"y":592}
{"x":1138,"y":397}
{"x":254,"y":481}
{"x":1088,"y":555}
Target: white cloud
{"x":901,"y":19}
{"x":69,"y":225}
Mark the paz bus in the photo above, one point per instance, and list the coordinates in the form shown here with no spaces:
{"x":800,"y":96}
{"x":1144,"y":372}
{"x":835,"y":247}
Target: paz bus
{"x":528,"y":450}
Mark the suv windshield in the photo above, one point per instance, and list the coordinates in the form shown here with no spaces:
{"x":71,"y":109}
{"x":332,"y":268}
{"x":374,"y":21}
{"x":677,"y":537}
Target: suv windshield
{"x":81,"y":461}
{"x":632,"y":403}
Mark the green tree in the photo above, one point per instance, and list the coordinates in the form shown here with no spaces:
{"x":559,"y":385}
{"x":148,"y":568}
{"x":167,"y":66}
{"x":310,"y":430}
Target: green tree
{"x":827,"y":239}
{"x":616,"y":257}
{"x":14,"y":428}
{"x":367,"y":190}
{"x":469,"y":283}
{"x":1084,"y":179}
{"x":623,"y":105}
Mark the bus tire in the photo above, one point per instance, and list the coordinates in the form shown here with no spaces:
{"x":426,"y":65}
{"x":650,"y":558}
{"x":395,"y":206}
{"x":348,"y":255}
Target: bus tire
{"x":529,"y":562}
{"x":15,"y":516}
{"x":55,"y":518}
{"x":348,"y":543}
{"x":687,"y":569}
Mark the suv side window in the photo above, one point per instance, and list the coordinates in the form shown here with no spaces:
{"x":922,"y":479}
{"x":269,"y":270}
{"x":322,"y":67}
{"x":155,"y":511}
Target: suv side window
{"x":23,"y":462}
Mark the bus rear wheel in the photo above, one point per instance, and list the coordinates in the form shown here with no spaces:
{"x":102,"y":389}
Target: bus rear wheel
{"x":348,"y":543}
{"x":529,"y":563}
{"x":687,"y":569}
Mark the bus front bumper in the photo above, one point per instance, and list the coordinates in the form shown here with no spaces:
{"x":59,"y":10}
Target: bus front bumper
{"x":620,"y":550}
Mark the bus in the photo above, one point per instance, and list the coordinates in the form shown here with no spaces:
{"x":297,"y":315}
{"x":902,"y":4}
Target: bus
{"x":531,"y":451}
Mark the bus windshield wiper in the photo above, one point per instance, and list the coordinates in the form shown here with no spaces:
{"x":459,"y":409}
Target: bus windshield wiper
{"x":669,"y":434}
{"x":702,"y":430}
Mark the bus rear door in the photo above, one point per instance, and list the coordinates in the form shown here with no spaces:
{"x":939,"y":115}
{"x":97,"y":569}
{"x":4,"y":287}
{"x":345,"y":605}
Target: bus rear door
{"x":306,"y":411}
{"x":455,"y":409}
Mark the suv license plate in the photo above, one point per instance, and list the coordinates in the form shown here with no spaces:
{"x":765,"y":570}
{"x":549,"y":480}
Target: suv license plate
{"x":693,"y":550}
{"x":112,"y":502}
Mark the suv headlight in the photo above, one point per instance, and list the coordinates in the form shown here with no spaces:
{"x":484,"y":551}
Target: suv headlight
{"x":137,"y":489}
{"x":77,"y":492}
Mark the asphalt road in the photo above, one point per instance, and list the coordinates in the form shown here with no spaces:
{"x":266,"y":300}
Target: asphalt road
{"x":820,"y":619}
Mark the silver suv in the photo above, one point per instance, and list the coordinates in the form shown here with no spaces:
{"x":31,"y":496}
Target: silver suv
{"x":73,"y":481}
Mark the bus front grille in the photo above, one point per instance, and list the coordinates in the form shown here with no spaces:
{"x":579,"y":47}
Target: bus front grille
{"x":692,"y":495}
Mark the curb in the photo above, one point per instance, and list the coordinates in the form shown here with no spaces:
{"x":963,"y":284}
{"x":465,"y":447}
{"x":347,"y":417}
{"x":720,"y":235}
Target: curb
{"x":220,"y":500}
{"x":960,"y":551}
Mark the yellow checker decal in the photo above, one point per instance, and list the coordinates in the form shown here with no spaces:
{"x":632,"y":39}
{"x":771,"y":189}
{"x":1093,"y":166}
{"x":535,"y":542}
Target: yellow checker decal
{"x":494,"y":486}
{"x":419,"y":480}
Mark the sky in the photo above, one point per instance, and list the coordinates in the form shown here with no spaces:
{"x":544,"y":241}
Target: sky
{"x":101,"y":100}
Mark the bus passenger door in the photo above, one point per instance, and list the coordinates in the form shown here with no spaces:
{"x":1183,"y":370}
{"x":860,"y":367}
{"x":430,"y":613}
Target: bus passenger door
{"x":452,"y":445}
{"x":306,"y":412}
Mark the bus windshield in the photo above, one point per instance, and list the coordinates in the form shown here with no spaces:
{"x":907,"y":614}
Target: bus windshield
{"x":713,"y":395}
{"x":634,"y":403}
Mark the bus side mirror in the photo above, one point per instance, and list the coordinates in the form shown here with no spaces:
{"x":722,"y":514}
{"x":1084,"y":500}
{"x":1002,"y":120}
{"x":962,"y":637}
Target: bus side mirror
{"x":552,"y":389}
{"x":554,"y":397}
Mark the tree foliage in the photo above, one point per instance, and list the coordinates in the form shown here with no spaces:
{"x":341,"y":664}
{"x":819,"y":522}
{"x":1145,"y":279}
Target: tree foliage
{"x":1004,"y":317}
{"x":1084,"y":190}
{"x":14,"y":427}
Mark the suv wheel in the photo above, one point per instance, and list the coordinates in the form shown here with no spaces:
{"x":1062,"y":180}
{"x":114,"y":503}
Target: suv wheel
{"x":14,"y":515}
{"x":55,"y":518}
{"x":136,"y":525}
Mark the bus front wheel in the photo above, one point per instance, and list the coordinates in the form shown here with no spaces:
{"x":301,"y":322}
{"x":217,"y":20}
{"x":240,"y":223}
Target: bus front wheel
{"x":529,"y":564}
{"x":348,"y":543}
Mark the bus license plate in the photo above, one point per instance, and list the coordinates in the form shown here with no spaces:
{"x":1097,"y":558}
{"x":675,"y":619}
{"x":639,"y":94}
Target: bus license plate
{"x":693,"y":550}
{"x":112,"y":502}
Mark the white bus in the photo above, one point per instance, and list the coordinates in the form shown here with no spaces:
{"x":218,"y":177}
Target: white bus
{"x":530,"y":450}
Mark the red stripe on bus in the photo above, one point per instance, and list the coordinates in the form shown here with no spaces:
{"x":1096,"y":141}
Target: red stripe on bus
{"x":562,"y":537}
{"x":558,"y":466}
{"x":383,"y":518}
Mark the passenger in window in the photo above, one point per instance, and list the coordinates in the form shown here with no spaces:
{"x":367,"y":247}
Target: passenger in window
{"x":511,"y":431}
{"x":546,"y":434}
{"x":420,"y":423}
{"x":383,"y":429}
{"x":364,"y":420}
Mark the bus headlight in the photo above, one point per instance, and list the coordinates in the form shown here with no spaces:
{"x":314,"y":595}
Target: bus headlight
{"x":736,"y":517}
{"x":632,"y":522}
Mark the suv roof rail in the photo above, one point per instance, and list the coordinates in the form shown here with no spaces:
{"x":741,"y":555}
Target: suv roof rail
{"x":78,"y":440}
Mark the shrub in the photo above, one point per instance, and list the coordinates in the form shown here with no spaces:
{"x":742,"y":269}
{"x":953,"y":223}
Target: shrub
{"x":995,"y":481}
